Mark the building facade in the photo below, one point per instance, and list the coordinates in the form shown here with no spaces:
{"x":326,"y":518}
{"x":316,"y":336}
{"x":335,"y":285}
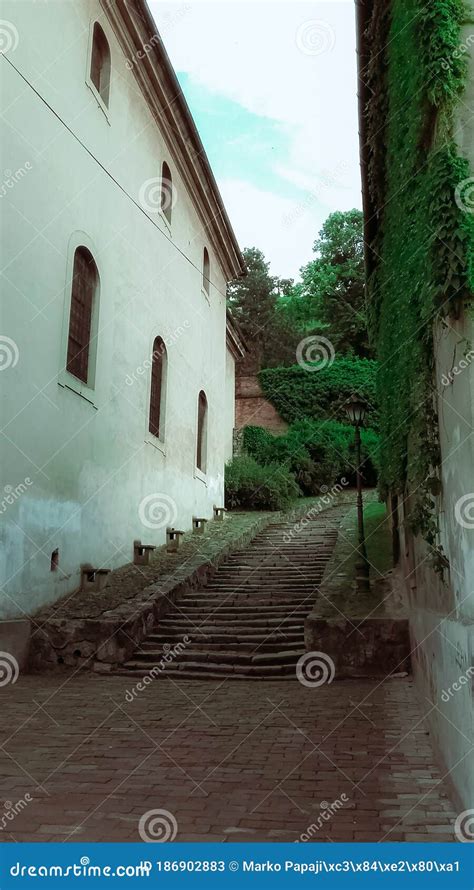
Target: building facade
{"x":416,"y":89}
{"x":116,"y":255}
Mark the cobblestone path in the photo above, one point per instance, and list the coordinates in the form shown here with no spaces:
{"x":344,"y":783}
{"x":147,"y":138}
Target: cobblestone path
{"x":250,"y":761}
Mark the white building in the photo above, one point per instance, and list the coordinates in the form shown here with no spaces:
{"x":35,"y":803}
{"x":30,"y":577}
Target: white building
{"x":116,"y":384}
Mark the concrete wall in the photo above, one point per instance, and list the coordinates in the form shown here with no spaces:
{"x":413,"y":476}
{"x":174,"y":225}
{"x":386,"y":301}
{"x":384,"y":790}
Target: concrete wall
{"x":79,"y":470}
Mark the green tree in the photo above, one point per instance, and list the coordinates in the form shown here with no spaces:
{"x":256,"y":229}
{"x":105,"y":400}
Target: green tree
{"x":252,"y":300}
{"x":332,"y":292}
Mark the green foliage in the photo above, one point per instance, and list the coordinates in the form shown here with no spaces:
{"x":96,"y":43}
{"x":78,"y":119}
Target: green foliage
{"x":252,"y":300}
{"x":317,"y":453}
{"x":424,"y":242}
{"x":251,"y":486}
{"x":297,"y":393}
{"x":333,"y":283}
{"x":276,"y":314}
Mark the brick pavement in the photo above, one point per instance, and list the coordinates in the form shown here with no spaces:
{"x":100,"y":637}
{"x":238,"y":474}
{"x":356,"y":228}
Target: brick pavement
{"x":232,"y":761}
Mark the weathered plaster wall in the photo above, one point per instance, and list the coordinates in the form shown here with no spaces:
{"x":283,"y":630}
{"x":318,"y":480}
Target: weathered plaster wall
{"x":79,"y":465}
{"x":229,"y":405}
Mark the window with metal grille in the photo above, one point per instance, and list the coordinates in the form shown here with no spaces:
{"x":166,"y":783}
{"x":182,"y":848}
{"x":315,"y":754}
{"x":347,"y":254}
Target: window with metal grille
{"x":100,"y":63}
{"x":158,"y":370}
{"x":166,"y":192}
{"x":201,"y":432}
{"x":206,"y":271}
{"x":84,"y":286}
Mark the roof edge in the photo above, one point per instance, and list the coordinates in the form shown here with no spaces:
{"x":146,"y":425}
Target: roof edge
{"x":154,"y":69}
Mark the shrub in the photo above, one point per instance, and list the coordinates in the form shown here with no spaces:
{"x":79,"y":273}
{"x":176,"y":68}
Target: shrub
{"x":316,"y":453}
{"x":254,"y":486}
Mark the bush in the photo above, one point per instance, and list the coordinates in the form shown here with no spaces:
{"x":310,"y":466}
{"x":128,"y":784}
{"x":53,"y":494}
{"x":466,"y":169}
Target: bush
{"x":316,"y":453}
{"x":297,"y":393}
{"x":253,"y":486}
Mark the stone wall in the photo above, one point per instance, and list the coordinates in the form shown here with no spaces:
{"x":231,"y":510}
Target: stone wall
{"x":253,"y":409}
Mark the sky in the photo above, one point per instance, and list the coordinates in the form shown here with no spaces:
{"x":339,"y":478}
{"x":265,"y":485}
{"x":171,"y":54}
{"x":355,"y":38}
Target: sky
{"x":272,"y":88}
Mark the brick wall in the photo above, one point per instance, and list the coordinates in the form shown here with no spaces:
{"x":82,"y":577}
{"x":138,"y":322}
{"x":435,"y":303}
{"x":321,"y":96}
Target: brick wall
{"x":252,"y":409}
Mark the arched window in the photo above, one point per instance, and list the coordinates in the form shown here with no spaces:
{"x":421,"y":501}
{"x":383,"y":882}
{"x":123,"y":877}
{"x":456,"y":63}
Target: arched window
{"x":100,"y":63}
{"x":83,"y":294}
{"x":206,"y":271}
{"x":201,"y":432}
{"x":166,"y":192}
{"x":157,"y":390}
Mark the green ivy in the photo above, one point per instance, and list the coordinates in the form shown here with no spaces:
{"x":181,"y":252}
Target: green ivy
{"x":423,"y":246}
{"x":297,"y":393}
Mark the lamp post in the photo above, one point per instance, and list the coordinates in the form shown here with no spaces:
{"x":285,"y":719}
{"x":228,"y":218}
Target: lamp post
{"x":356,"y":410}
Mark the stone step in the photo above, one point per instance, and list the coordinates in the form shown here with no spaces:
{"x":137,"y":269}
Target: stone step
{"x":231,"y":656}
{"x":231,"y":631}
{"x":219,"y":637}
{"x":201,"y":669}
{"x":287,"y":601}
{"x":282,"y":643}
{"x":247,"y":622}
{"x":208,"y":674}
{"x":219,"y":620}
{"x":225,"y":613}
{"x":256,"y":609}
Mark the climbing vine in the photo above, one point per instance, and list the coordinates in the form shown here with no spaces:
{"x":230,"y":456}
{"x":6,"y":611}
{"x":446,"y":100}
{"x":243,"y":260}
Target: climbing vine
{"x":422,"y":248}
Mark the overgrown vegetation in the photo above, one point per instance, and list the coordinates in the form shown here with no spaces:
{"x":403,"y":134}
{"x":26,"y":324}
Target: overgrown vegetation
{"x":276,"y":315}
{"x":250,"y":485}
{"x":297,"y":393}
{"x":318,"y":453}
{"x":424,"y":239}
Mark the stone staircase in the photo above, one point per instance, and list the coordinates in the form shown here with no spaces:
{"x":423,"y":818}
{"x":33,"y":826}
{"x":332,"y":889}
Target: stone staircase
{"x":248,"y":621}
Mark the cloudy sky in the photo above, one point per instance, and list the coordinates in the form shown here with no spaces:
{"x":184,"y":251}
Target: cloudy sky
{"x":272,"y":87}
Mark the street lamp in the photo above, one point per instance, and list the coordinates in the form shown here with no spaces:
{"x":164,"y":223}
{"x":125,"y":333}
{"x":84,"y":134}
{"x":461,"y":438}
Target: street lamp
{"x":356,"y":410}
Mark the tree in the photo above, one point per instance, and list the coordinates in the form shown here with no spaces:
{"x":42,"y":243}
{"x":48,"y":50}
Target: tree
{"x":252,"y":301}
{"x":332,"y":291}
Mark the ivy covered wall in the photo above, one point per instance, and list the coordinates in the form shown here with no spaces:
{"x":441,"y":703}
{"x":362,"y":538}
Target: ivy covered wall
{"x":422,"y":250}
{"x":298,"y":393}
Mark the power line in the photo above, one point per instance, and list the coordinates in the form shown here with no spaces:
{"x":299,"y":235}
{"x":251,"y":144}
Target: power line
{"x":107,"y":172}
